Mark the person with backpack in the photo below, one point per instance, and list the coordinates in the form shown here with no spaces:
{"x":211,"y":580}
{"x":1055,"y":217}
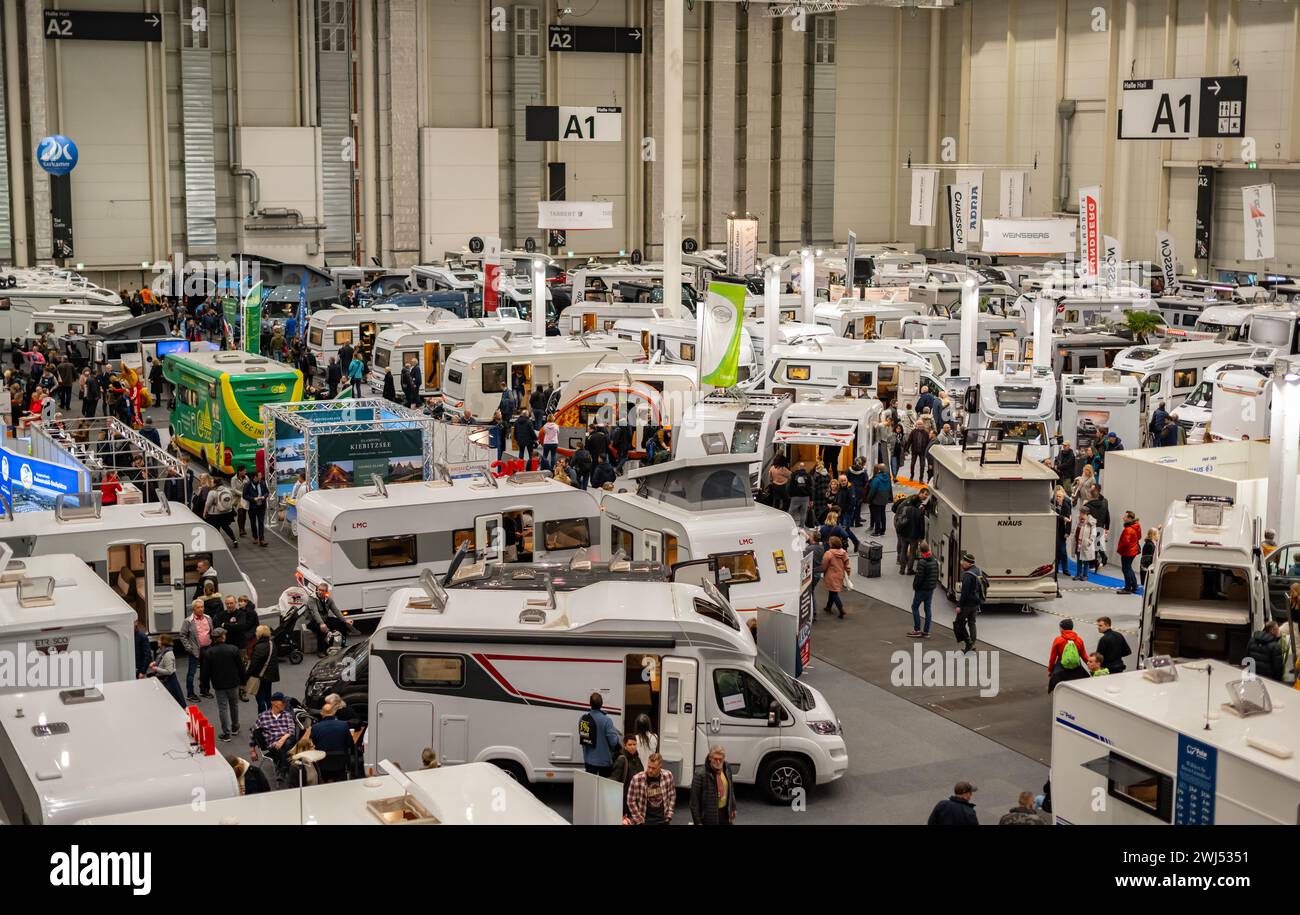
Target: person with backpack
{"x":526,"y":437}
{"x":598,"y":738}
{"x":909,"y":523}
{"x":1067,"y":653}
{"x":1112,"y":646}
{"x":582,"y":466}
{"x":219,"y":510}
{"x":924,"y":582}
{"x":880,"y":492}
{"x":800,"y":487}
{"x":835,"y":574}
{"x":974,"y":589}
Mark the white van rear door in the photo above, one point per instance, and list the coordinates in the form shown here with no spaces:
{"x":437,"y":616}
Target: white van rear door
{"x":677,"y":723}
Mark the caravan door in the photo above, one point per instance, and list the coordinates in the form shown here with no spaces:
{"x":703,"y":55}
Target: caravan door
{"x":678,"y":733}
{"x":165,"y":563}
{"x":489,"y":536}
{"x":651,"y":546}
{"x":403,"y":730}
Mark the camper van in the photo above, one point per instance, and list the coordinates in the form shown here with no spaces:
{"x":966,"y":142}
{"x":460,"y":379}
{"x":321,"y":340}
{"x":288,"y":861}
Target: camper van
{"x":607,"y":394}
{"x":330,"y":329}
{"x":627,"y":284}
{"x":1206,"y":592}
{"x":990,"y":330}
{"x":745,"y":423}
{"x":28,"y":292}
{"x":1194,"y":413}
{"x":110,"y":342}
{"x":1079,"y":312}
{"x":1169,"y":372}
{"x":425,"y":345}
{"x":474,"y":376}
{"x":473,"y":794}
{"x":1077,"y":352}
{"x":1223,"y":322}
{"x":788,"y":333}
{"x":1148,"y":750}
{"x":1242,"y":407}
{"x":887,"y":370}
{"x":677,"y":339}
{"x":499,"y":668}
{"x":838,"y":427}
{"x":702,"y":510}
{"x":1099,"y":402}
{"x":56,"y":606}
{"x":1019,"y":404}
{"x":148,"y":552}
{"x":359,"y":545}
{"x":858,"y":319}
{"x":994,"y":501}
{"x":69,"y":754}
{"x":1276,"y":327}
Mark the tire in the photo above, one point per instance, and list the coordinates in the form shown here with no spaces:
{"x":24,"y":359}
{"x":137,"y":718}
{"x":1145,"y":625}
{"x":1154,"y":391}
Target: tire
{"x":780,"y":776}
{"x":295,"y":656}
{"x":513,"y":769}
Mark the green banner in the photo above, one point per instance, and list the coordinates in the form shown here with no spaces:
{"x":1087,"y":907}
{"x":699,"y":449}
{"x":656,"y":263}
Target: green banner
{"x":230,"y":313}
{"x":253,"y":319}
{"x":350,"y":458}
{"x":721,"y":325}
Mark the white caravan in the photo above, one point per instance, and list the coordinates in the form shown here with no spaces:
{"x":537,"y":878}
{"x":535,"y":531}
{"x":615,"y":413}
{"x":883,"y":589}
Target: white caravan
{"x":626,"y":284}
{"x":677,"y":340}
{"x":155,"y":545}
{"x":71,"y":322}
{"x":1148,"y":750}
{"x":702,"y":511}
{"x":658,"y":394}
{"x":425,"y":345}
{"x":867,"y":319}
{"x":994,"y":501}
{"x":56,"y":607}
{"x":1223,"y":322}
{"x":844,"y":427}
{"x":1206,"y":592}
{"x":743,"y":424}
{"x":1193,"y":415}
{"x":788,"y":333}
{"x":360,"y":544}
{"x":990,"y":330}
{"x":1018,"y":402}
{"x":1078,"y":312}
{"x":474,"y":794}
{"x":330,"y":329}
{"x":1243,"y":405}
{"x":500,"y":669}
{"x":69,"y":754}
{"x":1098,"y":402}
{"x":887,"y":370}
{"x":475,"y":376}
{"x":1170,"y":371}
{"x":1276,"y":327}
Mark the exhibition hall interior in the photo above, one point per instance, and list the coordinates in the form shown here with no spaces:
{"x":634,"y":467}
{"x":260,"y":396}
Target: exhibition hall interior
{"x":840,"y":413}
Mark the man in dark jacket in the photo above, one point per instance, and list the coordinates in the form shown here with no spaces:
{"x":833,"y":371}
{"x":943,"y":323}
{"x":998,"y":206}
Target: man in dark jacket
{"x":345,"y":354}
{"x":1265,"y":649}
{"x":968,"y":604}
{"x":957,"y":810}
{"x":1099,"y":509}
{"x":1112,"y":646}
{"x":924,"y":582}
{"x":597,"y":443}
{"x":910,"y":524}
{"x":333,"y":375}
{"x":880,"y":491}
{"x":1066,"y":465}
{"x":1168,"y":436}
{"x":226,"y":666}
{"x":526,"y":436}
{"x":800,"y":493}
{"x":603,"y":472}
{"x":918,"y":443}
{"x":143,"y":651}
{"x":1158,"y":421}
{"x":537,"y":404}
{"x":582,"y":467}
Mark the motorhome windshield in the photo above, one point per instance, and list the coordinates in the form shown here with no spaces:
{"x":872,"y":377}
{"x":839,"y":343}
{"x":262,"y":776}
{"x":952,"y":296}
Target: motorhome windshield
{"x":745,"y":439}
{"x":791,"y":688}
{"x":1015,"y":431}
{"x":1201,"y":396}
{"x":1271,"y":330}
{"x":1018,"y":398}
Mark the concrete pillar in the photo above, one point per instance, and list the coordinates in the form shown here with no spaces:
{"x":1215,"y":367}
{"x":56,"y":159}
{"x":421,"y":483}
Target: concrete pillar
{"x":674,"y":12}
{"x":1283,"y":452}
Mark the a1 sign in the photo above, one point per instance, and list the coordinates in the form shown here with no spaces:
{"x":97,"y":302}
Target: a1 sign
{"x":1183,"y":109}
{"x":550,"y":122}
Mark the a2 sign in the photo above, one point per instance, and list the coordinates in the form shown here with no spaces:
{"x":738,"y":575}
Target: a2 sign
{"x":1183,"y":109}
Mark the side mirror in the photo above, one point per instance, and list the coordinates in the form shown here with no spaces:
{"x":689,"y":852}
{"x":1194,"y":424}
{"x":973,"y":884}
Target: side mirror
{"x":773,"y":714}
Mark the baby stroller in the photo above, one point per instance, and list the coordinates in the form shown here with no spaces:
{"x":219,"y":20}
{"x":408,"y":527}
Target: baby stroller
{"x":285,"y":637}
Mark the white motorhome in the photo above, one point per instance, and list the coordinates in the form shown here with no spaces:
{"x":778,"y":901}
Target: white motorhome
{"x":26,"y":292}
{"x":1230,"y":322}
{"x":360,"y":544}
{"x":990,"y":330}
{"x":69,"y":754}
{"x":1149,"y":750}
{"x":1098,"y":402}
{"x":1170,"y":371}
{"x":702,"y":510}
{"x":887,"y":370}
{"x":425,"y":345}
{"x":1206,"y":592}
{"x":474,"y":794}
{"x":606,"y":394}
{"x":475,"y":376}
{"x":499,"y":668}
{"x":1020,"y":404}
{"x":1193,"y":415}
{"x":859,"y":319}
{"x":746,"y":422}
{"x":330,"y":329}
{"x":1242,"y":408}
{"x":627,"y":284}
{"x":56,"y":607}
{"x":154,"y":546}
{"x":1078,"y":312}
{"x":994,"y":501}
{"x":69,"y":321}
{"x":788,"y":333}
{"x":1276,"y":327}
{"x":814,"y":429}
{"x":677,"y":340}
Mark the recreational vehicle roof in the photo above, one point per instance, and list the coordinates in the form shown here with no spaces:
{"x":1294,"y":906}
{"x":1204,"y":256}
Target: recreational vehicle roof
{"x":999,"y":463}
{"x":71,"y":595}
{"x":1148,"y":356}
{"x":1200,"y":524}
{"x":443,"y":322}
{"x":597,"y":344}
{"x":64,"y":763}
{"x":111,"y":522}
{"x":1180,"y":705}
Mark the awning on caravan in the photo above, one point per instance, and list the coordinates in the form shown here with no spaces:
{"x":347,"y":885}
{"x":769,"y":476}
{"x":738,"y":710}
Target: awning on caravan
{"x":1226,"y":614}
{"x":815,"y":432}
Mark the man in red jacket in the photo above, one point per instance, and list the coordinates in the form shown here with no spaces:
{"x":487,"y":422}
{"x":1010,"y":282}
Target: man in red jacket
{"x":1130,"y":544}
{"x":1058,"y":644}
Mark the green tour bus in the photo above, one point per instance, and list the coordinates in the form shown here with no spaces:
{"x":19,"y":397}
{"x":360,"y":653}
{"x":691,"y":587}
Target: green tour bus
{"x":216,"y":408}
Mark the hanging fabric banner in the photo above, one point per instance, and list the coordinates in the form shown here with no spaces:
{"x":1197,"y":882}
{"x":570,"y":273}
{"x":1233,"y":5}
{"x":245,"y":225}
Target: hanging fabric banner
{"x":1090,"y":229}
{"x":959,"y":214}
{"x":721,"y":327}
{"x":1257,"y":206}
{"x":924,"y":182}
{"x":1111,"y":257}
{"x":974,"y":212}
{"x":1014,"y":187}
{"x":1167,"y":258}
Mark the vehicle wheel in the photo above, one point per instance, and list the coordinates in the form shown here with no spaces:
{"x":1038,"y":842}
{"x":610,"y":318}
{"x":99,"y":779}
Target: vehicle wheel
{"x":782,"y":776}
{"x":513,"y":769}
{"x":295,"y":656}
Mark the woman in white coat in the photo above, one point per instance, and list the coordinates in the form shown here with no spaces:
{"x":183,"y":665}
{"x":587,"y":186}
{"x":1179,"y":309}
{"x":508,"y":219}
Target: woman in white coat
{"x":1083,"y":545}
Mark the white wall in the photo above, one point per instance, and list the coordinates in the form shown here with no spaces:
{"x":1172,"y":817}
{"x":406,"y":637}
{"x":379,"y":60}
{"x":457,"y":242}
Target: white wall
{"x":268,"y":65}
{"x":459,"y":188}
{"x":287,"y":160}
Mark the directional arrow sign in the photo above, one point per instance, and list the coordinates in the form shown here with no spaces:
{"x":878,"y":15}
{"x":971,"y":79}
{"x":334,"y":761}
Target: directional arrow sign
{"x":1183,"y":109}
{"x":599,"y":39}
{"x":94,"y":25}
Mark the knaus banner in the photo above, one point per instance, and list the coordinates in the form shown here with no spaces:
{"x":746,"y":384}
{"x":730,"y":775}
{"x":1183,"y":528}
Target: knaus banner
{"x":1053,"y":235}
{"x":1257,"y":206}
{"x":1014,"y":187}
{"x":958,"y":214}
{"x":924,"y":182}
{"x":1167,"y":258}
{"x":974,"y":211}
{"x":1090,"y":229}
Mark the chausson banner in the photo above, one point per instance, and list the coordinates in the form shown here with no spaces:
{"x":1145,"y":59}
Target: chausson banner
{"x":974,"y":212}
{"x":1014,"y":186}
{"x":924,"y":182}
{"x":1167,"y":258}
{"x":1048,"y":235}
{"x":1257,"y":206}
{"x":959,"y":214}
{"x":721,"y":325}
{"x":1111,"y":257}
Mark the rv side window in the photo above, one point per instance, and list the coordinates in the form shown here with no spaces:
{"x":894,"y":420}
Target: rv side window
{"x":425,"y":670}
{"x":621,"y":540}
{"x":687,"y":351}
{"x":860,"y":379}
{"x":383,"y":552}
{"x":798,"y":372}
{"x":736,"y":568}
{"x":314,"y":336}
{"x":1139,"y":786}
{"x":42,"y":327}
{"x":342,"y":336}
{"x":192,"y":567}
{"x":5,"y":303}
{"x":566,"y":534}
{"x":1184,"y":378}
{"x":740,"y":695}
{"x":463,"y":537}
{"x":454,"y":376}
{"x":494,"y":377}
{"x":1151,"y":384}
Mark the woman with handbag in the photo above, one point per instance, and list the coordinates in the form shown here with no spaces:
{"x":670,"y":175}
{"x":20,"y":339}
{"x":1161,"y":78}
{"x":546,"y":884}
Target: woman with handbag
{"x":835,"y":574}
{"x":263,"y":669}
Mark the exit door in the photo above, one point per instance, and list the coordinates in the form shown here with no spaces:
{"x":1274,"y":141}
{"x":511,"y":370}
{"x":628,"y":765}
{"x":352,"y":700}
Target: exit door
{"x":166,"y":588}
{"x":651,"y":546}
{"x":677,"y":729}
{"x":489,"y":536}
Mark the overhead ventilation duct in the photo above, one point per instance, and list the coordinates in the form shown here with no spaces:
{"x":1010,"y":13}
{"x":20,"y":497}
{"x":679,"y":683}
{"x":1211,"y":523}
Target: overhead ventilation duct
{"x":526,"y":89}
{"x":819,"y":130}
{"x":334,"y":114}
{"x":198,"y":136}
{"x":1065,"y":110}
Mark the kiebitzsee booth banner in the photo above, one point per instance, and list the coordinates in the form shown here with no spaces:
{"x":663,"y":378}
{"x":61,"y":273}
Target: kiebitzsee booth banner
{"x":1048,"y":235}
